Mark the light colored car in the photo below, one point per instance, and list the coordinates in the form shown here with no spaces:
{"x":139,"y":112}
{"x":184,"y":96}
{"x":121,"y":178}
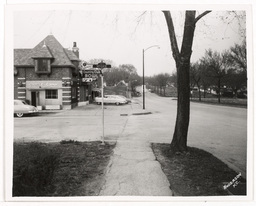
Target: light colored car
{"x":127,"y":99}
{"x":21,"y":107}
{"x":111,"y":99}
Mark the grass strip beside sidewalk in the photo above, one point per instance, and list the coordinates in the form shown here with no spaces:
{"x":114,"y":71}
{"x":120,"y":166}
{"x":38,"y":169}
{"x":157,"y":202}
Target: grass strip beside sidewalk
{"x":198,"y":173}
{"x":68,"y":168}
{"x":235,"y":102}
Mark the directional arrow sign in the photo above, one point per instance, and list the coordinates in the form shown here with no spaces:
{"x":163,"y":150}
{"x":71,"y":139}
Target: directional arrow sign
{"x":101,"y":65}
{"x":92,"y":71}
{"x":94,"y":76}
{"x":87,"y":79}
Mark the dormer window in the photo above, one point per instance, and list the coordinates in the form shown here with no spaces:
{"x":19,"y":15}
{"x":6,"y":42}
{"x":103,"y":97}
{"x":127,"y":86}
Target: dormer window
{"x":42,"y":57}
{"x":42,"y":66}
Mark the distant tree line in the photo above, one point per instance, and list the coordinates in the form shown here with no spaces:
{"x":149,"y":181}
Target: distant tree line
{"x":225,"y":73}
{"x":159,"y":82}
{"x":115,"y":74}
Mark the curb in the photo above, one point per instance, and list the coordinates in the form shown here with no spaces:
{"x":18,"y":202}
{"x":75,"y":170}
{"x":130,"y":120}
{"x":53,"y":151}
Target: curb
{"x":141,"y":113}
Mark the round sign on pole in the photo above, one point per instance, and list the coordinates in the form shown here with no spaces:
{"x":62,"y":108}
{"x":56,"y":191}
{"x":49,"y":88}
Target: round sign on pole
{"x":83,"y":64}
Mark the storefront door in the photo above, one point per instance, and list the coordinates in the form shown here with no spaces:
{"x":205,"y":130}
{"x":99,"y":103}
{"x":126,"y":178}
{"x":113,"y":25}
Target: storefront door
{"x":33,"y":99}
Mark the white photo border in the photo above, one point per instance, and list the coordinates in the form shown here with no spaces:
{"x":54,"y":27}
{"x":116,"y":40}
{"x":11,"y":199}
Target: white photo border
{"x":8,"y":98}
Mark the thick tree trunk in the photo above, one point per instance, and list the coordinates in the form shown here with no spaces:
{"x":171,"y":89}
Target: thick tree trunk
{"x":179,"y":141}
{"x":182,"y":59}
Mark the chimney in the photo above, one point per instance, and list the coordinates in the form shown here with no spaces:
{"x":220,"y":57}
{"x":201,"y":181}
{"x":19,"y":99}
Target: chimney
{"x":75,"y":49}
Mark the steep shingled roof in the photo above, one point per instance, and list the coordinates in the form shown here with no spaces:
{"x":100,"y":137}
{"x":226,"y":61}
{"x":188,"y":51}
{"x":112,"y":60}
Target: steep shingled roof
{"x":71,"y":55}
{"x":22,"y":57}
{"x":47,"y":48}
{"x":42,"y":52}
{"x":57,"y":50}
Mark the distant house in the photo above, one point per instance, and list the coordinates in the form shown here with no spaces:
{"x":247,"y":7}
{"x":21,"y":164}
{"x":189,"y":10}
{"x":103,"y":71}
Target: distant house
{"x":47,"y":76}
{"x":122,"y":84}
{"x":121,"y":88}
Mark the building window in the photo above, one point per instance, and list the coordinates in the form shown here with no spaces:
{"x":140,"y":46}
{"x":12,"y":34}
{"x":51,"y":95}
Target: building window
{"x":42,"y":66}
{"x":51,"y":94}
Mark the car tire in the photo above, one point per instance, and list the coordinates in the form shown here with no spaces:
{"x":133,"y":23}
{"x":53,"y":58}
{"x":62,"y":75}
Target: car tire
{"x":19,"y":115}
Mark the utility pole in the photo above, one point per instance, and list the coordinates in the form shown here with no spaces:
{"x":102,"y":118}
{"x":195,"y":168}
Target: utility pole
{"x":143,"y":80}
{"x":143,"y":74}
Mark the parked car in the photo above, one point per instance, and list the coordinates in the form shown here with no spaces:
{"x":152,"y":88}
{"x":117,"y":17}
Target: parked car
{"x":127,"y":99}
{"x":111,"y":99}
{"x":21,"y":107}
{"x":241,"y":94}
{"x":136,"y":94}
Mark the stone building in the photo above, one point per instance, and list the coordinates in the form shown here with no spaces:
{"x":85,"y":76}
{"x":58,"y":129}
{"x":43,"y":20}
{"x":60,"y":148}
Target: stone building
{"x":47,"y":76}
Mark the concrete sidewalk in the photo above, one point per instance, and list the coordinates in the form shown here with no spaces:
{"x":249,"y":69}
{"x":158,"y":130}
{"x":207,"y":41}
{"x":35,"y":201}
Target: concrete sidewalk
{"x":133,"y":170}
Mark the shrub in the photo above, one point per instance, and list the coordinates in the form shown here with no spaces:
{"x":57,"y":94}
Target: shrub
{"x":69,"y":142}
{"x":33,"y":168}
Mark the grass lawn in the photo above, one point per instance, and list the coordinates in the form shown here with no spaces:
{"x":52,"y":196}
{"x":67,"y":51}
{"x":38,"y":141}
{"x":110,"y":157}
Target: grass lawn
{"x":68,"y":168}
{"x":71,"y":168}
{"x":223,"y":101}
{"x":198,"y":173}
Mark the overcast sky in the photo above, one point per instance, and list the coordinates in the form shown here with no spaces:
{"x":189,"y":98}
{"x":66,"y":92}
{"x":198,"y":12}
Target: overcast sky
{"x":120,"y":36}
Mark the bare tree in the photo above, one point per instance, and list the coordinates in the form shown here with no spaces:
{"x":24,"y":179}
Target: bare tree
{"x":237,"y":56}
{"x":236,"y":60}
{"x":196,"y":76}
{"x":162,"y":80}
{"x":173,"y":79}
{"x":216,"y":64}
{"x":182,"y":60}
{"x":126,"y":72}
{"x":236,"y":80}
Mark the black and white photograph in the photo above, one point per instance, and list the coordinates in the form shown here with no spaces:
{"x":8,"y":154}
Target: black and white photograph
{"x":128,"y":102}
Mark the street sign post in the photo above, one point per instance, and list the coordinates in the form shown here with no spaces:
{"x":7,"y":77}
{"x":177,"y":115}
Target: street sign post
{"x":101,"y":66}
{"x":92,"y":74}
{"x":102,"y":105}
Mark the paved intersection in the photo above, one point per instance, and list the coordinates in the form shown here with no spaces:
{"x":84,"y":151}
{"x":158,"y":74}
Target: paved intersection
{"x":217,"y":129}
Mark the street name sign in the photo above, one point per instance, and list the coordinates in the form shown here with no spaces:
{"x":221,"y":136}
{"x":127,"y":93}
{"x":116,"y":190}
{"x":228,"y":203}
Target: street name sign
{"x":90,"y":75}
{"x":93,"y":76}
{"x":91,"y":71}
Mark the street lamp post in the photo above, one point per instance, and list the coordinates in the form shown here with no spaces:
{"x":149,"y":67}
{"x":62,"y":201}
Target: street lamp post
{"x":143,"y":74}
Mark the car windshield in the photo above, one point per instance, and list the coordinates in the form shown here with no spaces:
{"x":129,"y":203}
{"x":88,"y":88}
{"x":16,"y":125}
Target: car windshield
{"x":24,"y":102}
{"x":20,"y":103}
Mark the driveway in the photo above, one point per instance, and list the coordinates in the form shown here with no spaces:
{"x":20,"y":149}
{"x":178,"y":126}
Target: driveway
{"x":81,"y":124}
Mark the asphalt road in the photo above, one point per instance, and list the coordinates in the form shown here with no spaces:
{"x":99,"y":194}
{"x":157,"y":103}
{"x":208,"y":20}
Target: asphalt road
{"x":219,"y":130}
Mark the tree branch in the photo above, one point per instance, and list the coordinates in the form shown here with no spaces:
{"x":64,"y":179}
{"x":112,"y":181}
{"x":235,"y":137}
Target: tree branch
{"x":201,"y":15}
{"x":174,"y":44}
